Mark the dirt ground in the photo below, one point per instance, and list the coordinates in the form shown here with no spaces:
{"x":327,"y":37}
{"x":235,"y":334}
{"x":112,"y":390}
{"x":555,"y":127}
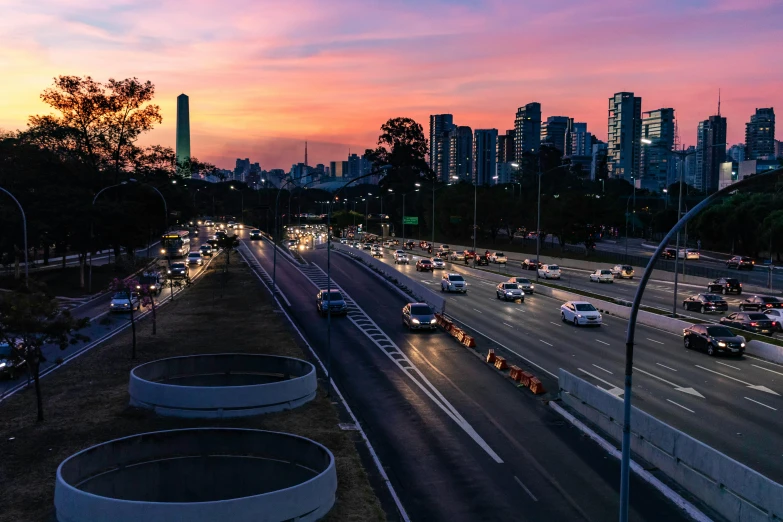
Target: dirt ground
{"x":86,"y":402}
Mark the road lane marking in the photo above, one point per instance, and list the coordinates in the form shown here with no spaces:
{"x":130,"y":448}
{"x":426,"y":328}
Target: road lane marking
{"x":602,"y":342}
{"x":614,"y":391}
{"x":667,"y":367}
{"x":653,"y":340}
{"x":508,"y":325}
{"x":677,"y":387}
{"x":477,"y":310}
{"x":757,"y":402}
{"x":604,"y":369}
{"x":554,"y":323}
{"x":525,"y":488}
{"x":755,"y":387}
{"x":730,"y":366}
{"x":543,"y":341}
{"x":680,"y":405}
{"x":766,"y":369}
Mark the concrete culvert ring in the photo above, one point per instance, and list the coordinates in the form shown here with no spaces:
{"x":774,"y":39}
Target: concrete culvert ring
{"x":222,"y":385}
{"x":198,"y":475}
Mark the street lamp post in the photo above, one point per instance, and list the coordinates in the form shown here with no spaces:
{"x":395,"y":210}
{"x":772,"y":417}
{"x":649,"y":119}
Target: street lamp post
{"x":24,"y":238}
{"x":274,"y":233}
{"x":242,"y":202}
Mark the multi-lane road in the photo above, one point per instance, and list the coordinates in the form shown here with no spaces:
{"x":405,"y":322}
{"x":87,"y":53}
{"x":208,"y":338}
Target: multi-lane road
{"x":742,"y":398}
{"x":457,"y":441}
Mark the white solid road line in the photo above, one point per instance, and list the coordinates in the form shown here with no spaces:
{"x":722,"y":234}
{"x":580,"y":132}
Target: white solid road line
{"x":677,"y":387}
{"x":543,"y":341}
{"x":755,"y":387}
{"x":604,"y":369}
{"x":602,"y":342}
{"x":757,"y":402}
{"x":667,"y":367}
{"x":730,"y":366}
{"x":766,"y":369}
{"x":680,"y":405}
{"x":614,"y":391}
{"x":653,"y":340}
{"x":525,"y":488}
{"x":508,"y":325}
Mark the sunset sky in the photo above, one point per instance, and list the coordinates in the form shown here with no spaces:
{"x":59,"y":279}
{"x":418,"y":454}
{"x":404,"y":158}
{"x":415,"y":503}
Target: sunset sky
{"x":264,"y":76}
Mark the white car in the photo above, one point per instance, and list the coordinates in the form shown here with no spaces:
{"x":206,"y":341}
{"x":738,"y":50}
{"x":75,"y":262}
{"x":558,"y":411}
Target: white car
{"x":549,"y":272}
{"x":444,"y":249}
{"x":689,"y":253}
{"x":121,"y":303}
{"x":457,"y":255}
{"x":231,"y":224}
{"x":377,"y":251}
{"x":602,"y":276}
{"x":622,"y":271}
{"x":194,"y":258}
{"x":366,"y":246}
{"x":453,"y":283}
{"x":775,"y":314}
{"x":524,"y":283}
{"x":401,"y":258}
{"x":388,"y":244}
{"x":510,"y":292}
{"x":498,"y":258}
{"x":437,"y":262}
{"x":580,"y":313}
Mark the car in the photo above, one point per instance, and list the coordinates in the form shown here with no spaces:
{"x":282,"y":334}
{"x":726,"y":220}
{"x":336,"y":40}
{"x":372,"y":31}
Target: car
{"x":120,"y":302}
{"x":231,"y":224}
{"x":669,"y":253}
{"x":11,"y":361}
{"x":622,"y":271}
{"x":527,"y":264}
{"x":366,"y":246}
{"x":220,"y":234}
{"x":549,"y":272}
{"x":498,"y":258}
{"x":424,"y":245}
{"x":437,"y":262}
{"x":209,"y":223}
{"x":401,"y":258}
{"x":741,"y":263}
{"x":377,"y":251}
{"x":152,"y":282}
{"x":444,"y":249}
{"x":388,"y":244}
{"x":775,"y":314}
{"x":194,"y":258}
{"x":206,"y":250}
{"x":525,"y":284}
{"x":689,"y":253}
{"x":510,"y":292}
{"x":469,"y":254}
{"x":213,"y":242}
{"x":355,"y":244}
{"x":580,"y":313}
{"x":713,"y":339}
{"x":725,"y":285}
{"x":332,"y":300}
{"x":408,"y":245}
{"x":704,"y":303}
{"x":177,"y":270}
{"x":602,"y":276}
{"x":255,"y":234}
{"x":418,"y":316}
{"x":457,"y":255}
{"x":755,"y":322}
{"x":452,"y":282}
{"x":422,"y":265}
{"x":481,"y":260}
{"x":760,"y":303}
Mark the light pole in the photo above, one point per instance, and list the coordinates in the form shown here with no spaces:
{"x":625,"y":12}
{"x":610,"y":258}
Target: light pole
{"x":24,"y":238}
{"x":629,"y":340}
{"x":242,"y":202}
{"x":475,"y":208}
{"x":403,"y":210}
{"x":666,"y":199}
{"x":92,"y":212}
{"x":627,"y":201}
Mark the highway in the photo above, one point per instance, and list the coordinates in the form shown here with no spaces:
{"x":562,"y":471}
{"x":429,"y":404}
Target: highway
{"x":458,"y":441}
{"x":681,"y":387}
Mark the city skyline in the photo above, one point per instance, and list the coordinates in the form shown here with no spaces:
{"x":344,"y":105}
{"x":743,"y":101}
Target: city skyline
{"x":333,"y":76}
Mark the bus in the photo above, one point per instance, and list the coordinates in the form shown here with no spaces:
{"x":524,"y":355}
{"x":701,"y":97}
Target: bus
{"x":175,"y":244}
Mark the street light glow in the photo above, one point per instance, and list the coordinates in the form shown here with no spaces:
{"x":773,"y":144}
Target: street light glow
{"x":646,"y":141}
{"x":418,"y":185}
{"x":515,"y":165}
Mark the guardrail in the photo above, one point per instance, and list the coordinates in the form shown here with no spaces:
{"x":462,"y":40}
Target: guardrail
{"x":730,"y":488}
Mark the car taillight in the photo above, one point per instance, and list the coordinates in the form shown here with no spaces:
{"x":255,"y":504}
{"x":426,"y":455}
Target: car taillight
{"x":740,"y":284}
{"x":754,"y":324}
{"x":774,"y":323}
{"x":768,"y":305}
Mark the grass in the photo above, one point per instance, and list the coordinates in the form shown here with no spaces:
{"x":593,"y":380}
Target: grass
{"x":86,"y":402}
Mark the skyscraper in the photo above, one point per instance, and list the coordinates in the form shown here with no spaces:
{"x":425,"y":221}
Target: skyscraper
{"x":578,"y":142}
{"x":657,"y":127}
{"x":506,"y":151}
{"x":183,"y":128}
{"x":625,"y":132}
{"x":711,"y":152}
{"x":485,"y":145}
{"x":760,"y":135}
{"x":554,"y":130}
{"x":461,"y":157}
{"x":440,"y":144}
{"x":527,"y":129}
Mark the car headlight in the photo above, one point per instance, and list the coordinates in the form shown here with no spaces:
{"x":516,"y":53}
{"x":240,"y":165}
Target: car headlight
{"x":3,"y":364}
{"x":742,"y":345}
{"x":579,"y":315}
{"x":722,"y":344}
{"x":162,"y":250}
{"x":433,"y":321}
{"x":532,"y":286}
{"x":168,"y":271}
{"x":112,"y":305}
{"x":509,"y":292}
{"x":152,"y":287}
{"x":415,"y":321}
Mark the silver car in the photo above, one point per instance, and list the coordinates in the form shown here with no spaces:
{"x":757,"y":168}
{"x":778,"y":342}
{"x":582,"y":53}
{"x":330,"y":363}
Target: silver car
{"x":418,"y":316}
{"x":525,"y":284}
{"x":437,"y":262}
{"x":121,"y":303}
{"x":510,"y":292}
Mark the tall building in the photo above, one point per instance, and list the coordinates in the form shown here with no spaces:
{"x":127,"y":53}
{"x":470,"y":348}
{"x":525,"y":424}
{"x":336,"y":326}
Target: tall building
{"x":711,"y":152}
{"x":440,"y":144}
{"x":578,"y":142}
{"x":760,"y":135}
{"x":506,"y":151}
{"x":779,"y":149}
{"x":461,"y":157}
{"x":737,"y":152}
{"x":339,"y":169}
{"x":242,"y":169}
{"x":656,"y":164}
{"x":554,"y":130}
{"x":485,"y":154}
{"x":625,"y":132}
{"x":354,"y":166}
{"x":527,"y":130}
{"x":599,"y":151}
{"x":183,"y":128}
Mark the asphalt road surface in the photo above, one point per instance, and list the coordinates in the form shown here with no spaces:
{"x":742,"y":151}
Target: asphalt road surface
{"x":458,"y":441}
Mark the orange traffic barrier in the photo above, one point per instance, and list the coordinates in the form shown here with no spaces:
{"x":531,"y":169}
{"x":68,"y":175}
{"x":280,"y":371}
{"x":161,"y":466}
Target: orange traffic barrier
{"x":524,"y":378}
{"x":536,"y":387}
{"x":469,"y":341}
{"x":514,"y":372}
{"x":500,"y":363}
{"x":491,"y":356}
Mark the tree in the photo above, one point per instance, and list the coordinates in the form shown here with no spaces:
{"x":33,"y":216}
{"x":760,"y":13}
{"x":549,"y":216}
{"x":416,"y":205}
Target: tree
{"x":128,"y":287}
{"x":31,"y":319}
{"x":403,"y":148}
{"x":228,"y":243}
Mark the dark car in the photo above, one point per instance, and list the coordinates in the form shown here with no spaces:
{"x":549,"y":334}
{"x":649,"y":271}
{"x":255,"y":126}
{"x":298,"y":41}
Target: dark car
{"x":331,"y":301}
{"x":741,"y":263}
{"x":177,"y":270}
{"x":11,"y":361}
{"x":418,"y":316}
{"x":713,"y":340}
{"x":408,"y":245}
{"x":725,"y":285}
{"x":760,"y":303}
{"x":422,"y":265}
{"x":255,"y":234}
{"x":755,"y":322}
{"x":482,"y":260}
{"x":152,"y":281}
{"x":527,"y":264}
{"x":706,"y":303}
{"x":669,"y":253}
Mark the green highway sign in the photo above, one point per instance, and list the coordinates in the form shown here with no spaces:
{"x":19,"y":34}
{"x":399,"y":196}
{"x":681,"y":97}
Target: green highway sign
{"x":410,"y":220}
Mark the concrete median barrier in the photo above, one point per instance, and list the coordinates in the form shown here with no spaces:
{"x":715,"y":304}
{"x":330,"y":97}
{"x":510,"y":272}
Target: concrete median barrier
{"x":770,"y":352}
{"x":732,"y":489}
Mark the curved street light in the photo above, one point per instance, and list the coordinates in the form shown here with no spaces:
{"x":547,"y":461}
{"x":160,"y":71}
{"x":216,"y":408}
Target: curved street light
{"x":629,"y":340}
{"x":24,"y":239}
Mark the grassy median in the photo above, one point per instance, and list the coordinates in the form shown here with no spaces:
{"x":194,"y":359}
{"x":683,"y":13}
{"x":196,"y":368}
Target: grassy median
{"x":86,"y":402}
